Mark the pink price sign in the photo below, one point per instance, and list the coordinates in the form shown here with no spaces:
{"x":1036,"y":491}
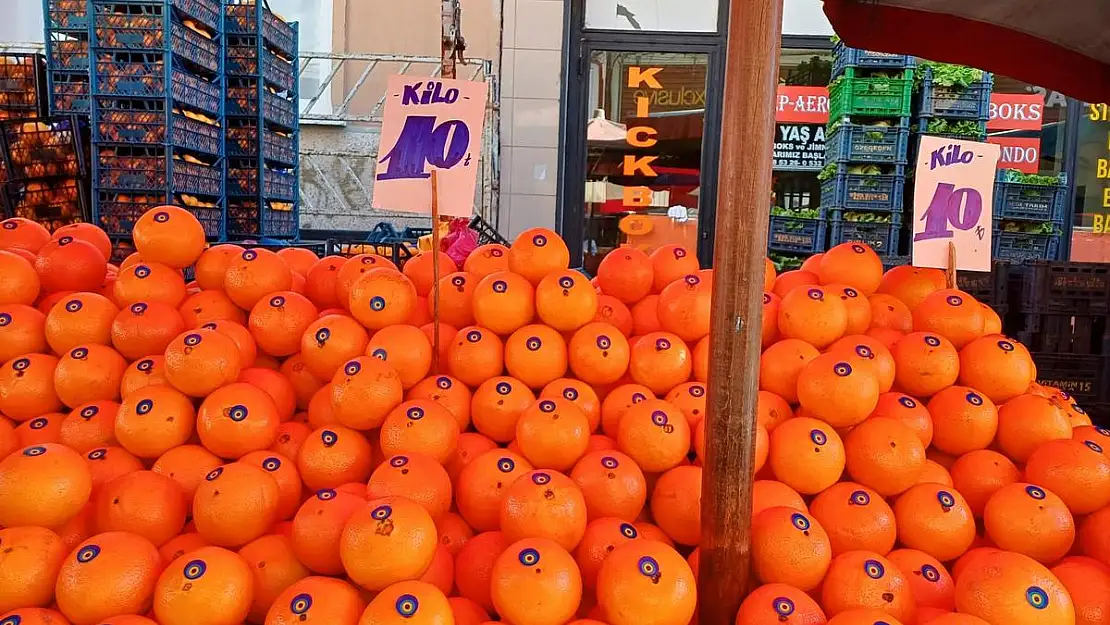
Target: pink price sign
{"x":953,"y":202}
{"x":430,"y":123}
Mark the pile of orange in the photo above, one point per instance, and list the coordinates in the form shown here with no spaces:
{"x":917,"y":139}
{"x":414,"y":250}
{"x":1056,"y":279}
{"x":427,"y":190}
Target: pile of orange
{"x":277,"y":442}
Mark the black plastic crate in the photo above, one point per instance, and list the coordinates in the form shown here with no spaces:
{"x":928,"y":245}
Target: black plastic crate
{"x":242,"y":60}
{"x":116,"y":212}
{"x":53,"y":203}
{"x":42,"y":147}
{"x":274,"y":219}
{"x":486,"y":233}
{"x":133,"y":75}
{"x":1066,"y":288}
{"x":1099,"y":412}
{"x":1014,"y":199}
{"x":1083,"y":377}
{"x":881,"y":237}
{"x":971,"y":102}
{"x":147,"y":27}
{"x":22,"y":85}
{"x":247,"y":17}
{"x":799,"y":235}
{"x":1024,"y":246}
{"x":989,"y":287}
{"x":1066,"y":334}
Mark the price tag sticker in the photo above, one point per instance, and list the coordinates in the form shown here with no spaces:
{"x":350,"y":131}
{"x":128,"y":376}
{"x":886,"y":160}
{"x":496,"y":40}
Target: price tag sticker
{"x":430,"y":123}
{"x":953,"y":202}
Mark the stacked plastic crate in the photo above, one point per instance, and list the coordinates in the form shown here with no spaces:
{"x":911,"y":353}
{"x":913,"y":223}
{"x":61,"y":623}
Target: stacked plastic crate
{"x":67,"y":56}
{"x":262,"y":126}
{"x":1029,"y":213}
{"x":157,"y":110}
{"x":864,"y":178}
{"x":22,"y":86}
{"x":42,"y":170}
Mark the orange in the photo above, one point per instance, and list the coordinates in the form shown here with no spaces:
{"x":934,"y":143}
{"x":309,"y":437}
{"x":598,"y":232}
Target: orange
{"x":274,"y":568}
{"x":1004,"y":587}
{"x":20,"y":233}
{"x":553,"y":434}
{"x":951,"y":313}
{"x":996,"y":367}
{"x":88,"y":373}
{"x":536,"y":581}
{"x":416,"y":602}
{"x":864,"y":616}
{"x":684,"y":308}
{"x":205,"y":306}
{"x":1027,"y":421}
{"x":864,"y":579}
{"x":644,"y":581}
{"x":237,"y":419}
{"x":387,"y":541}
{"x":211,"y":581}
{"x":482,"y":485}
{"x":318,"y":600}
{"x":334,"y":455}
{"x":910,"y":284}
{"x":835,"y":391}
{"x":317,"y":528}
{"x":109,"y":574}
{"x":364,"y":391}
{"x":925,"y":364}
{"x":142,"y":502}
{"x":598,"y":354}
{"x":420,"y":270}
{"x":475,"y":355}
{"x":89,"y":426}
{"x":645,"y":316}
{"x":537,"y":252}
{"x":1088,"y":584}
{"x":964,"y":420}
{"x":254,"y":274}
{"x":781,"y":366}
{"x":149,"y":282}
{"x":690,"y":398}
{"x":544,"y":504}
{"x":885,"y":336}
{"x":853,"y":264}
{"x":382,"y":297}
{"x":291,"y":436}
{"x":70,"y":264}
{"x":299,"y":259}
{"x":655,"y":434}
{"x":930,"y":582}
{"x":154,"y":420}
{"x":415,"y":476}
{"x":80,"y":319}
{"x":145,"y":329}
{"x":660,"y":361}
{"x":884,"y":455}
{"x":29,"y":566}
{"x":890,"y":313}
{"x":447,"y":392}
{"x":9,"y":438}
{"x":284,"y":472}
{"x":1076,"y":471}
{"x":487,"y":259}
{"x":321,"y":282}
{"x":43,"y":485}
{"x":627,"y":274}
{"x":235,"y":504}
{"x":169,"y":235}
{"x":277,"y":322}
{"x":405,"y":348}
{"x":456,"y":296}
{"x":909,"y":412}
{"x":536,"y":355}
{"x":857,"y":305}
{"x":770,"y":604}
{"x":769,"y":332}
{"x":602,"y":536}
{"x":789,"y":280}
{"x":935,"y":519}
{"x":86,"y":232}
{"x":350,"y":270}
{"x":1029,"y":520}
{"x":277,"y":386}
{"x":200,"y":361}
{"x":467,"y":612}
{"x":420,"y":426}
{"x":565,"y":300}
{"x":497,"y":405}
{"x":474,"y":564}
{"x":33,"y":616}
{"x":676,"y":504}
{"x":669,"y":263}
{"x":617,"y":402}
{"x":855,"y":518}
{"x":812,"y":315}
{"x":789,"y":547}
{"x":19,"y":284}
{"x":22,"y":331}
{"x":806,"y":455}
{"x":870,"y":352}
{"x":1094,"y":539}
{"x":769,"y":494}
{"x":213,"y":263}
{"x":504,"y":302}
{"x":453,"y":532}
{"x":105,"y":464}
{"x":979,"y":474}
{"x":187,"y":465}
{"x":578,"y":393}
{"x":40,"y":430}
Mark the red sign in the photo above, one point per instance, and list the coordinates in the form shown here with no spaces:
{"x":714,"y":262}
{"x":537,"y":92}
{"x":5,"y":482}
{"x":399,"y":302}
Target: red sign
{"x":1011,"y":111}
{"x":1021,"y":153}
{"x":802,"y":105}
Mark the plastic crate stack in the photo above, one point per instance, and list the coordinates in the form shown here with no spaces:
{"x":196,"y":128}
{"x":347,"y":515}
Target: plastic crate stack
{"x":42,"y":168}
{"x":262,"y":127}
{"x":1029,"y":213}
{"x":1065,"y":310}
{"x":67,"y":28}
{"x":22,"y":85}
{"x":157,"y":111}
{"x":954,"y":111}
{"x":864,"y":179}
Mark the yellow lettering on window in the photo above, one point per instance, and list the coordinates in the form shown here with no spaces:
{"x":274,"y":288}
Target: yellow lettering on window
{"x":637,"y":196}
{"x":638,"y":76}
{"x":642,"y":137}
{"x":642,"y":106}
{"x":1099,"y":226}
{"x":1105,"y":196}
{"x":1103,"y":168}
{"x":632,"y":165}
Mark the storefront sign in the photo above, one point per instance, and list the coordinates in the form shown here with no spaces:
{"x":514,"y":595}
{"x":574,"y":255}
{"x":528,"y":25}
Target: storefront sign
{"x":1101,"y":225}
{"x":682,"y":90}
{"x":646,"y":80}
{"x":953,"y":202}
{"x":1012,"y":111}
{"x":1020,"y":153}
{"x":799,"y":147}
{"x":426,"y":125}
{"x":802,"y":105}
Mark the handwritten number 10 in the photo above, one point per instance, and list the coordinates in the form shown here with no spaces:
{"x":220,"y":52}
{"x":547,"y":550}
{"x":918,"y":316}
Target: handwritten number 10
{"x":950,"y":207}
{"x":421,"y":141}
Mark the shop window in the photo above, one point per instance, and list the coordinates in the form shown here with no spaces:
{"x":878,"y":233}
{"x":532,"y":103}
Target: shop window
{"x":653,"y":15}
{"x":1091,"y":228}
{"x":315,"y":24}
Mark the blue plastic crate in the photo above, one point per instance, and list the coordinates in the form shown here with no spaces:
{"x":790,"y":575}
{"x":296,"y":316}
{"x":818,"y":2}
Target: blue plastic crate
{"x":243,"y":95}
{"x":66,"y":15}
{"x":152,"y":28}
{"x":116,"y":212}
{"x":797,"y":234}
{"x":67,"y":52}
{"x":277,"y":184}
{"x":243,"y":141}
{"x":860,"y":192}
{"x":980,"y":135}
{"x":242,"y":60}
{"x":247,"y":17}
{"x":845,"y":57}
{"x":207,"y":12}
{"x":1015,"y":200}
{"x":142,"y":168}
{"x":68,"y":92}
{"x":882,"y":237}
{"x":145,"y":122}
{"x":865,"y":143}
{"x":1020,"y":246}
{"x":972,"y":102}
{"x":249,"y":218}
{"x":123,"y":74}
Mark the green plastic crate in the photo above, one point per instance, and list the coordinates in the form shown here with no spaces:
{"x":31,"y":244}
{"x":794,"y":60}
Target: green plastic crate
{"x":870,"y":97}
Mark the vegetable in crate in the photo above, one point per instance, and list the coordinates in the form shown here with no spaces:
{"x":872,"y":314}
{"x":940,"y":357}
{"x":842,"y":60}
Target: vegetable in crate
{"x":963,"y":128}
{"x":947,"y":75}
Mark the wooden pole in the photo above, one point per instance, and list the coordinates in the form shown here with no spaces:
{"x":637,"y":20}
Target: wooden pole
{"x":435,"y":272}
{"x":950,"y":273}
{"x":450,"y":39}
{"x":747,"y":139}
